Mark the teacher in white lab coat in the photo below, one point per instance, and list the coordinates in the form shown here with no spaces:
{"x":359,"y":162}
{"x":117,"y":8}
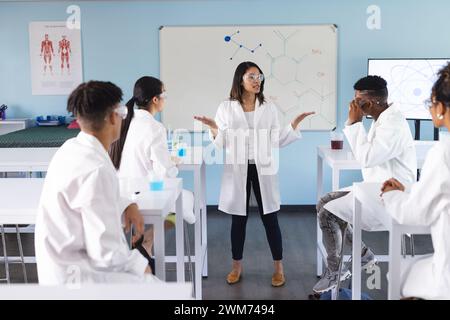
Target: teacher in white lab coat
{"x":247,"y":126}
{"x":79,"y":236}
{"x":428,"y":204}
{"x":386,"y":150}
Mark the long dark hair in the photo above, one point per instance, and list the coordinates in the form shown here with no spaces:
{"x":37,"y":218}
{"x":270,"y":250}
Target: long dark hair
{"x":237,"y":89}
{"x":441,"y":88}
{"x":145,"y":89}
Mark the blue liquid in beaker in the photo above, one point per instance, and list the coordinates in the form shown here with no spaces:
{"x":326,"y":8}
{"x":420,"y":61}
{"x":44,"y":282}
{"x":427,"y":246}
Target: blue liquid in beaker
{"x":181,"y":152}
{"x":157,"y":185}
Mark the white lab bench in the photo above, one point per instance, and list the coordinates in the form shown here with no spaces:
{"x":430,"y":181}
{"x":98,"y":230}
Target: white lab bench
{"x":38,"y":159}
{"x":366,"y":197}
{"x":117,"y":291}
{"x":11,"y":125}
{"x":340,"y":160}
{"x":15,"y":208}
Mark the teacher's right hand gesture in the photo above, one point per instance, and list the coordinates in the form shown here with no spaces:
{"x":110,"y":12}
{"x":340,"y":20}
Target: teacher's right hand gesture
{"x":208,"y":122}
{"x":300,"y":118}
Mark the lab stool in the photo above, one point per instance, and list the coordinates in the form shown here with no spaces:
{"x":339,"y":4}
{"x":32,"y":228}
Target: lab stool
{"x":6,"y":259}
{"x":188,"y":251}
{"x":334,"y":294}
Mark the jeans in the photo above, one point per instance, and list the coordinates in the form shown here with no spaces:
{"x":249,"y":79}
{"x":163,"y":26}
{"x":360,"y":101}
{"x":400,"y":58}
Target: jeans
{"x":332,"y":230}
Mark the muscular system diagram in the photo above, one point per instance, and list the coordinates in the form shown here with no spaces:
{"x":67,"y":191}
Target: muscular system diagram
{"x":65,"y":51}
{"x":47,"y":53}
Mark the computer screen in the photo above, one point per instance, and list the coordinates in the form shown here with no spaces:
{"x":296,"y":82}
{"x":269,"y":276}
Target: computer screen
{"x":409,"y":82}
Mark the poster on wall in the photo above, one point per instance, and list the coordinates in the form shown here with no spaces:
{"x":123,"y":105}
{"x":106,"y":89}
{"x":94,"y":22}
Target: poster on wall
{"x":55,"y":57}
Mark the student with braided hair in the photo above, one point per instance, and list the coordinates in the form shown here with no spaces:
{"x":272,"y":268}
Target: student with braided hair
{"x":79,"y":236}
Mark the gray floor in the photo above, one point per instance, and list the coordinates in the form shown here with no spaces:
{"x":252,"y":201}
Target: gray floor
{"x":299,"y":234}
{"x":299,"y":242}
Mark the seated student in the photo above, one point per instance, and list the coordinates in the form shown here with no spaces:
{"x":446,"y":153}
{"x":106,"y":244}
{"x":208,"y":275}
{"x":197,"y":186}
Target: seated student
{"x":386,"y":150}
{"x":142,"y":149}
{"x":428,"y":204}
{"x":79,"y":236}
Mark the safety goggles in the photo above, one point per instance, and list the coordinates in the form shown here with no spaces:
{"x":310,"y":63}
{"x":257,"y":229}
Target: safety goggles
{"x":428,"y":104}
{"x":163,"y":95}
{"x":122,"y":112}
{"x":254,"y":77}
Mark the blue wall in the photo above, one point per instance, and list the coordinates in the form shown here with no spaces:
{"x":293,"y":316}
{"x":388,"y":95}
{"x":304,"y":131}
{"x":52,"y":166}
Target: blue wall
{"x":120,"y":44}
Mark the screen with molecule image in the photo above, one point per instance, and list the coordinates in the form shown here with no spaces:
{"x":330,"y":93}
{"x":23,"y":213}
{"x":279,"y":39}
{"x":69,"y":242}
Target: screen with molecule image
{"x":409,"y":82}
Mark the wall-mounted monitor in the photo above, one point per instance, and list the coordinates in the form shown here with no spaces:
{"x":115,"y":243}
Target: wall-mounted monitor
{"x":409,"y":82}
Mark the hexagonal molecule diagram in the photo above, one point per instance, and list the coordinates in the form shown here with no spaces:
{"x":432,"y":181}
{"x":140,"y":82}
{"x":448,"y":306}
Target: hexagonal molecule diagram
{"x":295,"y":84}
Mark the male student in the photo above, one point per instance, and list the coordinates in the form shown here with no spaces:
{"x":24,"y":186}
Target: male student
{"x":79,"y":236}
{"x":387,"y":150}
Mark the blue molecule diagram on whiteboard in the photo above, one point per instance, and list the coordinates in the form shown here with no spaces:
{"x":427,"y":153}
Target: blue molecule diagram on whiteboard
{"x":239,"y":46}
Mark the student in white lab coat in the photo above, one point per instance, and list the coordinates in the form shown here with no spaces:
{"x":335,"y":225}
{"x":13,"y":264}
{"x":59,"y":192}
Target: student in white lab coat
{"x":142,"y":149}
{"x":428,"y":204}
{"x":79,"y":236}
{"x":386,"y":150}
{"x":247,"y":126}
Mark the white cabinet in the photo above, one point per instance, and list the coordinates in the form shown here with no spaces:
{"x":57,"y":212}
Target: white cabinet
{"x":10,"y":125}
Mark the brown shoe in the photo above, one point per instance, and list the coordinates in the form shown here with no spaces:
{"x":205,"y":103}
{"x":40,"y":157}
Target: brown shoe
{"x":278,"y":279}
{"x":233,"y":277}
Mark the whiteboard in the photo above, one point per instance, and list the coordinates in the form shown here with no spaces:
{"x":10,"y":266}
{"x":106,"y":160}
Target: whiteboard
{"x":409,"y":82}
{"x":299,"y":62}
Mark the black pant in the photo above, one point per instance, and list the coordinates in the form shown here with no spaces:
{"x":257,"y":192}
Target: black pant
{"x":270,"y":221}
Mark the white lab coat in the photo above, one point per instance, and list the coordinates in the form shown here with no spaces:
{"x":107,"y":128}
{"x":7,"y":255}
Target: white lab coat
{"x":386,"y":151}
{"x":268,"y":137}
{"x":427,"y":204}
{"x":146,"y":152}
{"x":79,"y":236}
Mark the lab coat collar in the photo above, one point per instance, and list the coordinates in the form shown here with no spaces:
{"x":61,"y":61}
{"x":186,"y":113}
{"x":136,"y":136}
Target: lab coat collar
{"x":143,"y":114}
{"x":444,"y":137}
{"x":92,"y":142}
{"x":257,"y":104}
{"x":257,"y":112}
{"x":390,"y":110}
{"x":240,"y":112}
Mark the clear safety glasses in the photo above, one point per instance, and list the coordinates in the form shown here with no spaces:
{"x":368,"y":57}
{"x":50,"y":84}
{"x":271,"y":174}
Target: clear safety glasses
{"x":122,"y":112}
{"x":254,"y":77}
{"x":163,"y":95}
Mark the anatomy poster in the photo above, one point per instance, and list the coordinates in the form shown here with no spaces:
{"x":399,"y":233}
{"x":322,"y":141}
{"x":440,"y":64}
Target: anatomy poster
{"x":55,"y":56}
